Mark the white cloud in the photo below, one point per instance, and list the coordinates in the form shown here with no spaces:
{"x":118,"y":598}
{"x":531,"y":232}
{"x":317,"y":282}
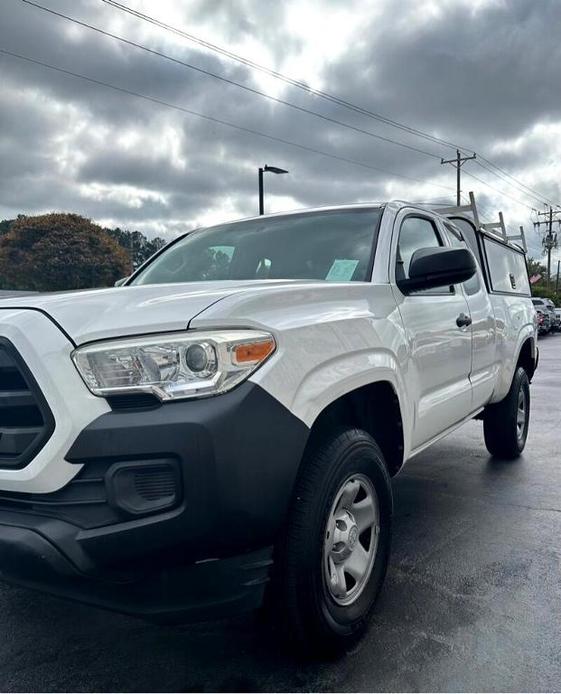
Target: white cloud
{"x":128,"y":196}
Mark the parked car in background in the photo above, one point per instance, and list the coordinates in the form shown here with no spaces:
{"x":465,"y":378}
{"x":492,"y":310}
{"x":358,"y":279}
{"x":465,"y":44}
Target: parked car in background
{"x":544,"y":321}
{"x":557,"y":321}
{"x":551,"y":308}
{"x":548,"y":308}
{"x":227,"y":423}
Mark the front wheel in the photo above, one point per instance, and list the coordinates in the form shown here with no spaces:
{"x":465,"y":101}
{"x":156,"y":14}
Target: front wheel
{"x":332,"y":562}
{"x":505,"y":424}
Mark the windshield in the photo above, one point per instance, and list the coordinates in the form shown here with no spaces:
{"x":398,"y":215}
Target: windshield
{"x":336,"y":246}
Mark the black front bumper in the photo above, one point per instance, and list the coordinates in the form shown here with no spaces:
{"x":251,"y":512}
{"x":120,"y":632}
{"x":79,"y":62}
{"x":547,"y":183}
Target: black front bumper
{"x":209,"y":554}
{"x":214,"y":588}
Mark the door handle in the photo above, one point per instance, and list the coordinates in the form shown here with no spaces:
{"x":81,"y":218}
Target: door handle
{"x":462,"y":321}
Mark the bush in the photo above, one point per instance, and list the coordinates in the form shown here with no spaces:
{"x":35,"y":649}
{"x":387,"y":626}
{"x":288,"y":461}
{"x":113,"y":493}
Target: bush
{"x":57,"y":251}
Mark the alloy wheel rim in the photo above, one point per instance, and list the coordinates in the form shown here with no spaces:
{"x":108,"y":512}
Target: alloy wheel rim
{"x":351,"y":539}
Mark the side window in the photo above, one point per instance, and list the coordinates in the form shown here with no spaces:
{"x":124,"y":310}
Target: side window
{"x":415,"y":233}
{"x":456,"y":239}
{"x":507,"y":268}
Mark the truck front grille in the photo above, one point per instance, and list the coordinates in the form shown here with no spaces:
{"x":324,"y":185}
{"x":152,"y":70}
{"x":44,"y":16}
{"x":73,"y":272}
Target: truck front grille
{"x":26,"y":422}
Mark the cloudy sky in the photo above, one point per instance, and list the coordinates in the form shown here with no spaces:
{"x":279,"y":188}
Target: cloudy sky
{"x":481,"y":73}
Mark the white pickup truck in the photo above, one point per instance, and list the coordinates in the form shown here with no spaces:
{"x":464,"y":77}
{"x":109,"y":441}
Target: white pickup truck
{"x":224,"y":427}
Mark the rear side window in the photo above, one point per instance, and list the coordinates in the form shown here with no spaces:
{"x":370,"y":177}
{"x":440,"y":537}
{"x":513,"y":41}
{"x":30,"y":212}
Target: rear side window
{"x":507,"y":268}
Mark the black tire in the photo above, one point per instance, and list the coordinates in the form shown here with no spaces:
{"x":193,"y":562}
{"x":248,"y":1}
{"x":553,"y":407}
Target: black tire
{"x":302,"y":604}
{"x":503,"y":437}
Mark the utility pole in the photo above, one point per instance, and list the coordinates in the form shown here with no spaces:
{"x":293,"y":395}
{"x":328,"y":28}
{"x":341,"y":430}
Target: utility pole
{"x":457,"y":162}
{"x":550,"y":239}
{"x":557,"y":278}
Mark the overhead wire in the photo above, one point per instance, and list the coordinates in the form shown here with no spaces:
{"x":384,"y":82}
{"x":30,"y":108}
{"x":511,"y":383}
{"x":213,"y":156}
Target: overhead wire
{"x":500,"y":192}
{"x":530,"y":195}
{"x":213,"y":119}
{"x":521,"y":186}
{"x":277,"y":75}
{"x":209,"y":73}
{"x":318,"y":92}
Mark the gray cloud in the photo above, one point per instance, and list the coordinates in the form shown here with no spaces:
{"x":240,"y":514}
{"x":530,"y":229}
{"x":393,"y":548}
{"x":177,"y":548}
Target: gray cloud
{"x":485,"y":75}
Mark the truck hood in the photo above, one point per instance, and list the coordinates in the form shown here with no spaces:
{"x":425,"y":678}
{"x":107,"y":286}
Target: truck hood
{"x":122,"y":311}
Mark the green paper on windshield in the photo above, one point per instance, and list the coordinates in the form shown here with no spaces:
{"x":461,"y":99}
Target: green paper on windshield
{"x":342,"y":270}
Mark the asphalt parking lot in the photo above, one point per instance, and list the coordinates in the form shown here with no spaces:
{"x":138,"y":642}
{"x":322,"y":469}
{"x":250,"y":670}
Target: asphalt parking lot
{"x":472,"y":600}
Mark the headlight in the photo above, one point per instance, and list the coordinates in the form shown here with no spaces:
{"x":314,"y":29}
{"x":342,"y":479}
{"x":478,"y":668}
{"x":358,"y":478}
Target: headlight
{"x":174,"y":365}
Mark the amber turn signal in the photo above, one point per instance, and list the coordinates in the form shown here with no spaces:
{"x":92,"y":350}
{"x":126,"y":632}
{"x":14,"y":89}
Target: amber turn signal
{"x":253,"y":352}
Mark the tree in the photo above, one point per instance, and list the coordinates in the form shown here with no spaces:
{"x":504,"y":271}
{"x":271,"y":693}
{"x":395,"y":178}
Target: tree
{"x":535,"y":267}
{"x":5,"y":225}
{"x":539,"y":288}
{"x":137,"y":246}
{"x":59,"y":251}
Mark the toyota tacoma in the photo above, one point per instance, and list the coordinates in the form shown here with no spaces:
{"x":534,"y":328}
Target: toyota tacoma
{"x":221,"y":431}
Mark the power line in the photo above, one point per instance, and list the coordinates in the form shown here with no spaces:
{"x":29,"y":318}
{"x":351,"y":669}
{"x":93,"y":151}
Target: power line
{"x":212,"y":119}
{"x":267,"y":96}
{"x":314,"y":92}
{"x":520,"y":191}
{"x":531,"y":192}
{"x":275,"y":99}
{"x":500,"y":192}
{"x":278,"y":75}
{"x":487,"y":213}
{"x":208,"y":73}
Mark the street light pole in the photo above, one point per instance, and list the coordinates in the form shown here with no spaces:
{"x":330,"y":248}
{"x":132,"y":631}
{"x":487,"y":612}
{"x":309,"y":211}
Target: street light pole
{"x":261,"y":170}
{"x":261,"y":203}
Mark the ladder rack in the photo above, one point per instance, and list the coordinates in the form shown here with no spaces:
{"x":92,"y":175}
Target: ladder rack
{"x":496,"y":229}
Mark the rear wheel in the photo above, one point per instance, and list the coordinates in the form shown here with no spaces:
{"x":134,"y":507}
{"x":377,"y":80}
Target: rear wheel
{"x":332,"y":561}
{"x":505,"y":424}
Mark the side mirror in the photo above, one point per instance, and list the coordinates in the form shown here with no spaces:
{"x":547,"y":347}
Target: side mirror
{"x":119,"y":283}
{"x":438,"y":267}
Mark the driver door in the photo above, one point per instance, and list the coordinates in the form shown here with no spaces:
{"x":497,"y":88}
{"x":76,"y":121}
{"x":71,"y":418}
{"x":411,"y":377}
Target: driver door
{"x":439,"y":359}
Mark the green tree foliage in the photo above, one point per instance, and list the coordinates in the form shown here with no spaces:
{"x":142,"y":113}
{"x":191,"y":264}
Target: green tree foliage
{"x":536,"y":267}
{"x":136,"y":244}
{"x":539,"y":288}
{"x":59,"y":251}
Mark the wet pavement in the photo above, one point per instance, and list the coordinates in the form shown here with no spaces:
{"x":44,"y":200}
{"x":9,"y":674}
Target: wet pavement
{"x":472,"y":601}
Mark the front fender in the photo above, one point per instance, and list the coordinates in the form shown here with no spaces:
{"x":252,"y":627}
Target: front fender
{"x":342,"y":374}
{"x":331,"y":340}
